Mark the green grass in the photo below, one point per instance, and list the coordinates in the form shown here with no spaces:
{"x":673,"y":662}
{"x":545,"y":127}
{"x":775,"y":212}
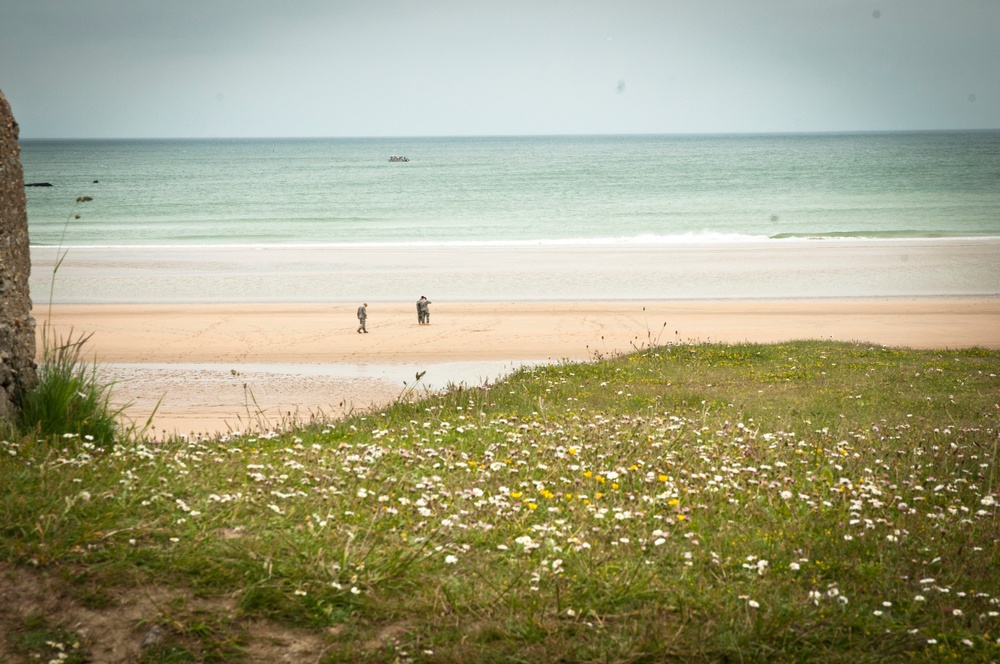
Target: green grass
{"x":70,"y":398}
{"x":37,"y":640}
{"x":806,"y":501}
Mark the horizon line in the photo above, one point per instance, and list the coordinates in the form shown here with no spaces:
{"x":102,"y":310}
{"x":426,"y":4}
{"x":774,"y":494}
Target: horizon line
{"x":831,"y":132}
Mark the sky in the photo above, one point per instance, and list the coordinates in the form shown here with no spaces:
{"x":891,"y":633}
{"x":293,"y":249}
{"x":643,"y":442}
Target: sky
{"x":369,"y":68}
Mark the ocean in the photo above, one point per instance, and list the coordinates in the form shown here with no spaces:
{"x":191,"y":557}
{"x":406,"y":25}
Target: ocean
{"x":594,"y":190}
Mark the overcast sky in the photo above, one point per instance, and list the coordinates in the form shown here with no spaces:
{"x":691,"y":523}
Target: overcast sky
{"x":213,"y":68}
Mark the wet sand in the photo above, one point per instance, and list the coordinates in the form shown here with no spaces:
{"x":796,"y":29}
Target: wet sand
{"x":925,"y":268}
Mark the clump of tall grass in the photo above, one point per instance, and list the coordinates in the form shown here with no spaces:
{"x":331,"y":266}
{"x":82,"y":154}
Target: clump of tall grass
{"x":70,"y":398}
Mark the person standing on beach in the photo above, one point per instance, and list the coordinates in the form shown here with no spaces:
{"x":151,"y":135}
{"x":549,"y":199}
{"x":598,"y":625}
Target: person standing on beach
{"x":362,"y":318}
{"x":423,"y":311}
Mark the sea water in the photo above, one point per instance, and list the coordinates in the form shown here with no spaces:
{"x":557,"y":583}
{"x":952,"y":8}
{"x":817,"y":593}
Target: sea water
{"x":640,"y":190}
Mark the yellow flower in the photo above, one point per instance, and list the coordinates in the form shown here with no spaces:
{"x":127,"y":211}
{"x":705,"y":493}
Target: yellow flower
{"x":515,"y":494}
{"x":673,"y":501}
{"x":614,"y":485}
{"x":681,"y":517}
{"x":572,"y":450}
{"x":663,"y":478}
{"x":587,"y":474}
{"x":532,"y":506}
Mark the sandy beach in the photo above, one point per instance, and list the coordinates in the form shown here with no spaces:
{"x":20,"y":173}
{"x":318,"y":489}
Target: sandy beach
{"x":221,"y":367}
{"x":237,"y":337}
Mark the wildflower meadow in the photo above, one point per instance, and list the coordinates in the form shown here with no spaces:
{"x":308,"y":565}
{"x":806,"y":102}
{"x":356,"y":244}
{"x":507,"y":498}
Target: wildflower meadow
{"x":808,"y":501}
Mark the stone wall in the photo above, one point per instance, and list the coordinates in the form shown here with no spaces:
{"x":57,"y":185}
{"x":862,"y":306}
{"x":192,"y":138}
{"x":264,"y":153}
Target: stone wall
{"x":17,"y":327}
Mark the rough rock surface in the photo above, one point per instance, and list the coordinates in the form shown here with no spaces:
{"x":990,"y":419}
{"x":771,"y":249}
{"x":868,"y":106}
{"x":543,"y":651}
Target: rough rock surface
{"x":17,"y":327}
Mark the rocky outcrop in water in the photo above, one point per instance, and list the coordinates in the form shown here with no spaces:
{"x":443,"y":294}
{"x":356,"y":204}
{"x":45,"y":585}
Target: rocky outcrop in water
{"x":17,"y":327}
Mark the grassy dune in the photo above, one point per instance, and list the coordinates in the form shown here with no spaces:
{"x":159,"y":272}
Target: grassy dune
{"x":808,"y":501}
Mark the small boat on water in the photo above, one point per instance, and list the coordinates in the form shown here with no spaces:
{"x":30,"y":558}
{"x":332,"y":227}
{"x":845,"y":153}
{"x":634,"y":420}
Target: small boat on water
{"x":398,"y":157}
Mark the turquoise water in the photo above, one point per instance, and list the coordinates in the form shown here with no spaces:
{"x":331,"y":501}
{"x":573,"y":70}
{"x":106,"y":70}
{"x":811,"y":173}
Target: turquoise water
{"x":494,"y":191}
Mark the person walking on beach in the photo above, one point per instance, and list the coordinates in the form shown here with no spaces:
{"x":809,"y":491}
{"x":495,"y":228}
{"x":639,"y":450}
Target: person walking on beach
{"x":362,"y":318}
{"x":423,"y":311}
